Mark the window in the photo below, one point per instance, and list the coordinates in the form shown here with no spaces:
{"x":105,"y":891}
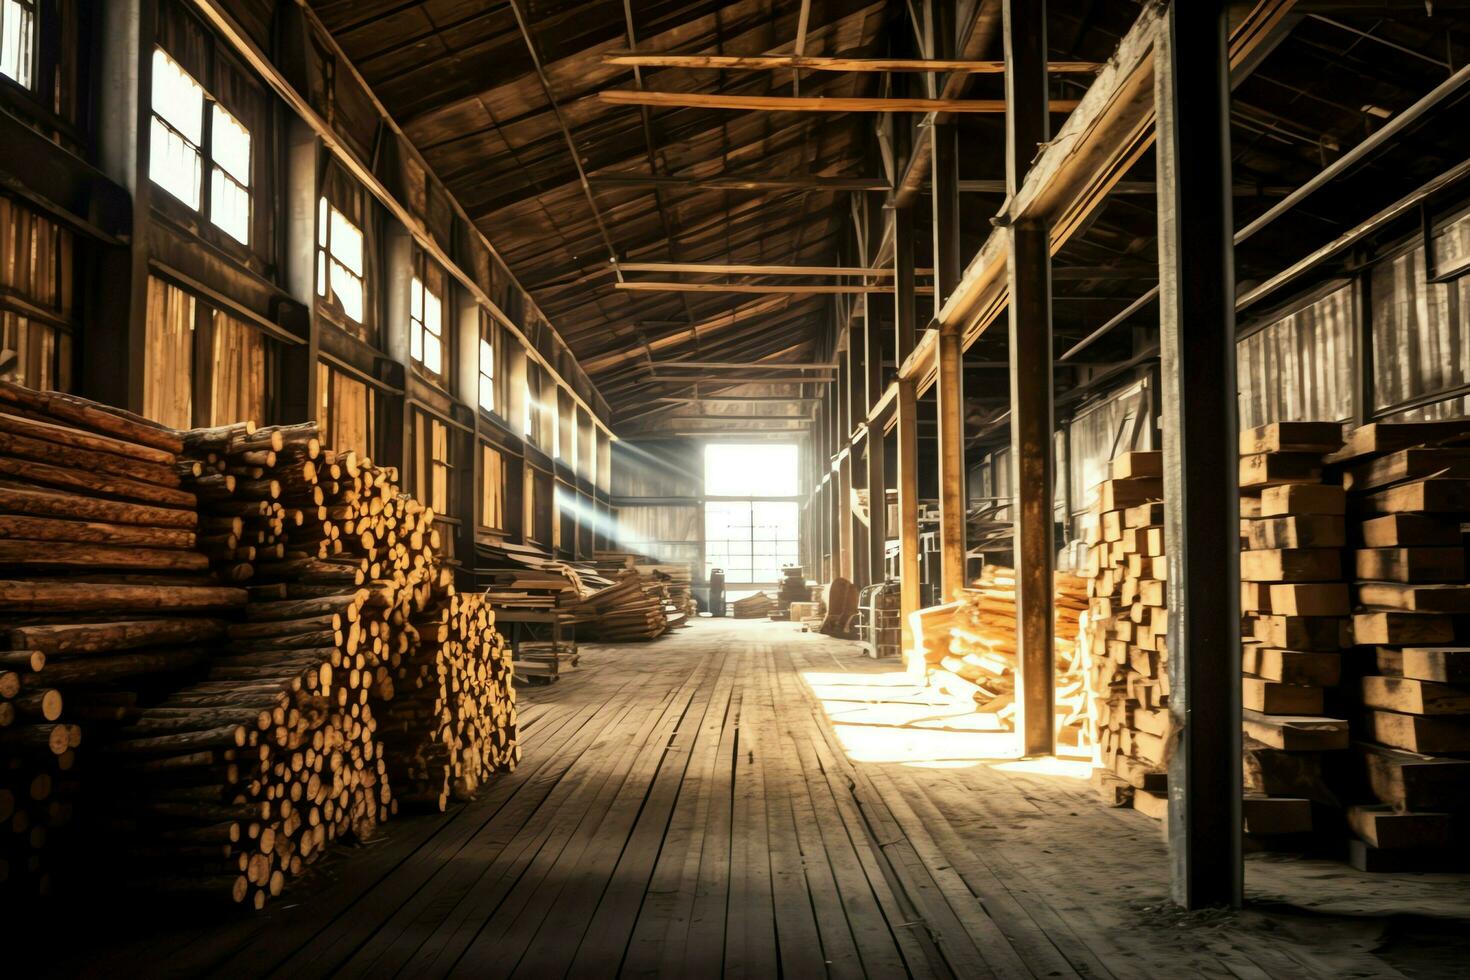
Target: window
{"x":183,"y":135}
{"x":229,"y":186}
{"x":339,"y":261}
{"x":346,"y":411}
{"x":178,"y":130}
{"x":734,"y":470}
{"x":426,"y":326}
{"x":528,"y":420}
{"x":487,"y":375}
{"x":492,"y":488}
{"x":751,"y":538}
{"x":17,"y":40}
{"x":432,"y":465}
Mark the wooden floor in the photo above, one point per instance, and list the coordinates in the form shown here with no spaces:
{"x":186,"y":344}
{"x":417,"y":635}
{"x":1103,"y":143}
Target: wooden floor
{"x":743,"y":799}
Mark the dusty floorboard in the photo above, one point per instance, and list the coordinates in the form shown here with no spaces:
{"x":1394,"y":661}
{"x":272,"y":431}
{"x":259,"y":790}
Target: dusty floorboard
{"x":743,"y":799}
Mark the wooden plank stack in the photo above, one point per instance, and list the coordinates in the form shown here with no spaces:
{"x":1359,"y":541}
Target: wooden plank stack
{"x":756,"y":606}
{"x":977,"y":666}
{"x":1409,"y":488}
{"x":1294,"y":608}
{"x":623,"y":612}
{"x":104,"y":599}
{"x":1124,"y":636}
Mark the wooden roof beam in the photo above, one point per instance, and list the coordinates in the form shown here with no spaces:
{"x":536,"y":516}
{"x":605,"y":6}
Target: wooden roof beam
{"x":814,"y":288}
{"x":739,"y":183}
{"x":719,"y":269}
{"x":791,"y":103}
{"x":782,"y":62}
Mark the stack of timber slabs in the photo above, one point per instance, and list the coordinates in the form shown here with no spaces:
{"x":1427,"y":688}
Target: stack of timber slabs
{"x":1294,"y":608}
{"x":1410,"y":497}
{"x":104,"y":601}
{"x":979,"y":669}
{"x":1124,"y":640}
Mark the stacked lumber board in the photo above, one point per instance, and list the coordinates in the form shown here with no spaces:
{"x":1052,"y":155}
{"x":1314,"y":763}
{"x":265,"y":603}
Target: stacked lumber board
{"x":977,"y":666}
{"x":756,"y":606}
{"x":1408,"y":487}
{"x":670,"y":582}
{"x":104,"y":598}
{"x":793,"y":589}
{"x":1294,"y":626}
{"x":623,"y":612}
{"x":1124,"y":636}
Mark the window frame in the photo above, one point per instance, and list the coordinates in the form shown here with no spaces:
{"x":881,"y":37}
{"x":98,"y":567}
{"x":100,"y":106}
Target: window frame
{"x":32,"y":9}
{"x":204,"y":210}
{"x":418,"y":327}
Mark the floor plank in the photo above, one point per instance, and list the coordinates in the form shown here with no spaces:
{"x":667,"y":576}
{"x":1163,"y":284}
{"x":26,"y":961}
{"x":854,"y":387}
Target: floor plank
{"x":744,"y":799}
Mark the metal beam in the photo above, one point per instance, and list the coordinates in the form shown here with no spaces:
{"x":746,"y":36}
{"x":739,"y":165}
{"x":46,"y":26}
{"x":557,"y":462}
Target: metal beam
{"x":1201,"y":496}
{"x":1030,"y":353}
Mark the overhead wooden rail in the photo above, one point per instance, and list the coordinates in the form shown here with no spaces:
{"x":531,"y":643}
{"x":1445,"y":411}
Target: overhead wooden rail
{"x":747,"y":287}
{"x":778,"y":62}
{"x":795,"y":103}
{"x":736,"y":182}
{"x":715,"y":268}
{"x":749,"y":365}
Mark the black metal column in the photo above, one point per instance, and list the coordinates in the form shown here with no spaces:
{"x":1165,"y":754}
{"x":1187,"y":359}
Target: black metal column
{"x":1199,"y":421}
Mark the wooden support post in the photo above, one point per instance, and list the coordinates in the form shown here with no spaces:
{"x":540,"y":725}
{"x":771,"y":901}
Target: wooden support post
{"x":904,"y":309}
{"x":1029,"y":267}
{"x":1201,"y":495}
{"x":113,"y":359}
{"x":945,"y":200}
{"x":952,"y":503}
{"x":844,"y":517}
{"x":908,"y":506}
{"x":300,"y":397}
{"x":877,"y":488}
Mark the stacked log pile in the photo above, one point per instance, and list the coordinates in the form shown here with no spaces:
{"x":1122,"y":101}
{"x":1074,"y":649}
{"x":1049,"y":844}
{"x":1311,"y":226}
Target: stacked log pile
{"x":232,"y":733}
{"x":1124,"y":636}
{"x":977,"y":666}
{"x":404,"y":639}
{"x":1409,"y":490}
{"x":1294,"y":608}
{"x":104,"y":602}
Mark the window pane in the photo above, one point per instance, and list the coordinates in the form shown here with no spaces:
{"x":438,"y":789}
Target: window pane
{"x":348,"y":290}
{"x":17,"y":28}
{"x":416,"y":299}
{"x":347,"y":243}
{"x":416,"y":341}
{"x":173,"y":164}
{"x":231,"y":145}
{"x":433,"y":353}
{"x":229,"y":206}
{"x":734,"y":470}
{"x":432,"y":322}
{"x":177,"y":97}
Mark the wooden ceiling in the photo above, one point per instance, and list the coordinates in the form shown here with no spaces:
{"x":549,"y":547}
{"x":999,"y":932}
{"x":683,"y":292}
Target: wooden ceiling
{"x":501,"y":96}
